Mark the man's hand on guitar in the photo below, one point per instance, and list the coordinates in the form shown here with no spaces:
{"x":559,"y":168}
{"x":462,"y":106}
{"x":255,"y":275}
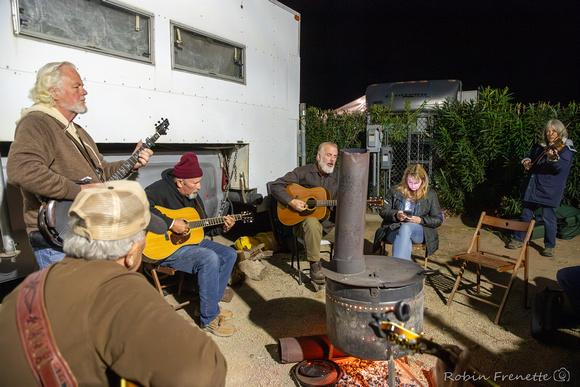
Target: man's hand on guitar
{"x":446,"y":376}
{"x":85,"y":186}
{"x":228,"y":223}
{"x":180,"y":226}
{"x":144,"y":156}
{"x":297,"y":205}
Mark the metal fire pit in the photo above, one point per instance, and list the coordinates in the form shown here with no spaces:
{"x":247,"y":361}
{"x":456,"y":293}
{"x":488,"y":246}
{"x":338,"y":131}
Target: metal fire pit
{"x":351,"y":301}
{"x":359,"y":285}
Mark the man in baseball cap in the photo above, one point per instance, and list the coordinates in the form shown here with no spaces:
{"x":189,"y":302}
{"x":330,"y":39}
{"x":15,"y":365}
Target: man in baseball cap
{"x":99,"y":311}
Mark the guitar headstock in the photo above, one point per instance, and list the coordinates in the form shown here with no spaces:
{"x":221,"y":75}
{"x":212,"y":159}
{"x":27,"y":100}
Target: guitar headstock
{"x":247,"y":217}
{"x":375,"y":202}
{"x":162,"y":126}
{"x":408,"y":339}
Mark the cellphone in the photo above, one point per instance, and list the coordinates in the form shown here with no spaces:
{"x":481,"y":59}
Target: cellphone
{"x":408,"y":213}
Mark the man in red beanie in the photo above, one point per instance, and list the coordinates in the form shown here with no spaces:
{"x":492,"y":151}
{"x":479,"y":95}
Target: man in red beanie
{"x":211,"y":261}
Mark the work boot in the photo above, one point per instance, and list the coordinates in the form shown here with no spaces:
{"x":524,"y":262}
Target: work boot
{"x":225,"y":314}
{"x":316,"y":272}
{"x":548,"y":252}
{"x":514,"y":244}
{"x":220,"y":327}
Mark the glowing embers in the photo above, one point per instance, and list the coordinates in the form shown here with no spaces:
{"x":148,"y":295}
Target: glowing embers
{"x":366,"y":373}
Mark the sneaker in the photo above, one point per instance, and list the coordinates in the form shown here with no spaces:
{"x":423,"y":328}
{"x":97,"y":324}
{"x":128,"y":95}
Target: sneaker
{"x":548,"y":252}
{"x":225,"y":314}
{"x":219,"y":327}
{"x":514,"y":244}
{"x":316,"y":272}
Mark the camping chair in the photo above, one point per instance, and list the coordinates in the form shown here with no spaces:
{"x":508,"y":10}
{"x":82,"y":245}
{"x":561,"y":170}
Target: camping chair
{"x":499,"y":262}
{"x":423,"y":245}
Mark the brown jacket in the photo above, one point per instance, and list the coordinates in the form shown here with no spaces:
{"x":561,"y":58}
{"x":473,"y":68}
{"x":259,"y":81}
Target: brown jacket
{"x":307,"y":176}
{"x":106,"y":319}
{"x":44,"y":161}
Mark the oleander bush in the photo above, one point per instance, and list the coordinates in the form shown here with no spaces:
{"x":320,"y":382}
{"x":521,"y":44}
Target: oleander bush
{"x":477,"y":146}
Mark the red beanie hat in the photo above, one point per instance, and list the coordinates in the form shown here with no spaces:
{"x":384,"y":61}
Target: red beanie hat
{"x":187,"y":167}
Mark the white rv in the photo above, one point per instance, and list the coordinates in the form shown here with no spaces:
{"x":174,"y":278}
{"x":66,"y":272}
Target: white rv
{"x":225,"y":74}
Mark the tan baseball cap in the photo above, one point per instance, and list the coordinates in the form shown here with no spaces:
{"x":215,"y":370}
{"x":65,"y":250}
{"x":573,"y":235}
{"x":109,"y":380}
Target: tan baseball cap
{"x":113,"y":211}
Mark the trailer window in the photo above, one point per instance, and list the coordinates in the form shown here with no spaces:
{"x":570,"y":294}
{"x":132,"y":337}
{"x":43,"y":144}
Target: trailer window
{"x":202,"y":53}
{"x":96,"y":25}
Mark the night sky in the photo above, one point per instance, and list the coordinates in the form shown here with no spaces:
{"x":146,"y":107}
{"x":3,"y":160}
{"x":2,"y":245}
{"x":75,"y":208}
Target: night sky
{"x":532,"y":47}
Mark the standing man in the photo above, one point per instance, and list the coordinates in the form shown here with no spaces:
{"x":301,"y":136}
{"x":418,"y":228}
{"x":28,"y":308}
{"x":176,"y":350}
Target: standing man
{"x":211,"y":261}
{"x":51,"y":154}
{"x":310,"y":230}
{"x":105,"y":320}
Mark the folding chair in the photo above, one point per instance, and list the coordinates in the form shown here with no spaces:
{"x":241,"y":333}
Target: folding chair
{"x":423,"y":245}
{"x":499,"y":262}
{"x":155,"y":269}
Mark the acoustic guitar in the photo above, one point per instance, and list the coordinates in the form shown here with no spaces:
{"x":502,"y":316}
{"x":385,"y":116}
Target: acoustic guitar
{"x":317,"y":202}
{"x":418,"y":344}
{"x":162,"y":246}
{"x":53,"y":214}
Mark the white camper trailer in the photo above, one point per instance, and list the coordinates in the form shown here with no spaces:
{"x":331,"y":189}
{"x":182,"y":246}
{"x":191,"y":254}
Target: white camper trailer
{"x":226,"y":75}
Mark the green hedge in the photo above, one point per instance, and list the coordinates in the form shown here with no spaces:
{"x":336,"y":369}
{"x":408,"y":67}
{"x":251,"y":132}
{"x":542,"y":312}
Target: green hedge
{"x":477,"y":146}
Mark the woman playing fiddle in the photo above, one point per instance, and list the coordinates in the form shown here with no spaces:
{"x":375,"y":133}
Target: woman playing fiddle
{"x":548,"y":164}
{"x":410,"y":215}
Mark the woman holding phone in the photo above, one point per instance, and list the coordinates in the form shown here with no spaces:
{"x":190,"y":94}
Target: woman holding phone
{"x":411,"y":214}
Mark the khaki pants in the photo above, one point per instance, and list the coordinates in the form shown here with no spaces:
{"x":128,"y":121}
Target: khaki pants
{"x":310,"y":231}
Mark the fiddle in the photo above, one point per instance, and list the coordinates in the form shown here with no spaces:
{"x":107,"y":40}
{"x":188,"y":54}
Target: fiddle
{"x":556,"y":145}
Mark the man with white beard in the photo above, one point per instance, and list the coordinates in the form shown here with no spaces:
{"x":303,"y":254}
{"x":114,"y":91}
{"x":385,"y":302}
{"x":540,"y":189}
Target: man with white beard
{"x":51,"y":155}
{"x":310,"y":230}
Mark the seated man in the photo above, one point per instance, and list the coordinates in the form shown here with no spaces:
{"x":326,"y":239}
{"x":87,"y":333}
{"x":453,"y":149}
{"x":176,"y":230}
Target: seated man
{"x":211,"y":261}
{"x":105,"y":319}
{"x":310,"y":230}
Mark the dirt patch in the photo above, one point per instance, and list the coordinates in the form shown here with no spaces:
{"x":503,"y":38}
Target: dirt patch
{"x":278,"y":307}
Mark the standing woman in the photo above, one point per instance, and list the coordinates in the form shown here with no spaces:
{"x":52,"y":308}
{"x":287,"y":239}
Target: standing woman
{"x":411,"y":214}
{"x":549,"y":163}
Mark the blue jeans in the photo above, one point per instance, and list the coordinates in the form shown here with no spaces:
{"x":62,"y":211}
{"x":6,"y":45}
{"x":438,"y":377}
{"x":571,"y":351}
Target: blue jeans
{"x":403,"y":239}
{"x":550,"y":223}
{"x":45,"y":256}
{"x":213,"y":263}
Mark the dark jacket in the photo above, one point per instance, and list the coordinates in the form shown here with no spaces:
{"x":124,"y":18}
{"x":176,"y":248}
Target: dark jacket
{"x":427,"y":209}
{"x":546,"y":180}
{"x":307,"y":176}
{"x":164,"y":193}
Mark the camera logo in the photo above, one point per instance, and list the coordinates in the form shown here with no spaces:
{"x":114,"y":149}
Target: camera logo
{"x":562,"y":375}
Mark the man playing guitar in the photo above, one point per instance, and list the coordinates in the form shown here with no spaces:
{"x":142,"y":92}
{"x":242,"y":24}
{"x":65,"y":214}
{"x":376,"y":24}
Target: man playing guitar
{"x":310,"y":230}
{"x":50,"y":153}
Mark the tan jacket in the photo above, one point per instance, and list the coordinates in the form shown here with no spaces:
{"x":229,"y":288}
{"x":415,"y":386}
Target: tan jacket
{"x":43,"y":161}
{"x":106,"y":319}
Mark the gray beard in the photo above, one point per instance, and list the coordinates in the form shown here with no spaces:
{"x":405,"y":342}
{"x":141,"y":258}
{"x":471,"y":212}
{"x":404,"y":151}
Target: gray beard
{"x":192,"y":195}
{"x":326,"y":168}
{"x":77,"y":108}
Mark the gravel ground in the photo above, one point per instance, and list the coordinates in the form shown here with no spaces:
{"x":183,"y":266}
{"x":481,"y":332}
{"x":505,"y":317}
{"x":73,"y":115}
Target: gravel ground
{"x":278,"y":307}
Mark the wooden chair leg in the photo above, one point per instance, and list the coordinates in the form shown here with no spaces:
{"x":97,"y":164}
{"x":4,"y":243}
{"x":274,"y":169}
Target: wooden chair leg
{"x":156,"y":280}
{"x":478,"y":279}
{"x":505,"y":296}
{"x":457,"y":283}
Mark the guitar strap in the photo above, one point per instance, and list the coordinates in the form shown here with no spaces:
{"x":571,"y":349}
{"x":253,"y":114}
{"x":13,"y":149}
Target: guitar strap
{"x":47,"y":364}
{"x":83,"y":151}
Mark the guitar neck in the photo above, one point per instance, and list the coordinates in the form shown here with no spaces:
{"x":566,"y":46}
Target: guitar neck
{"x":212,"y":221}
{"x":132,"y":161}
{"x":326,"y":203}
